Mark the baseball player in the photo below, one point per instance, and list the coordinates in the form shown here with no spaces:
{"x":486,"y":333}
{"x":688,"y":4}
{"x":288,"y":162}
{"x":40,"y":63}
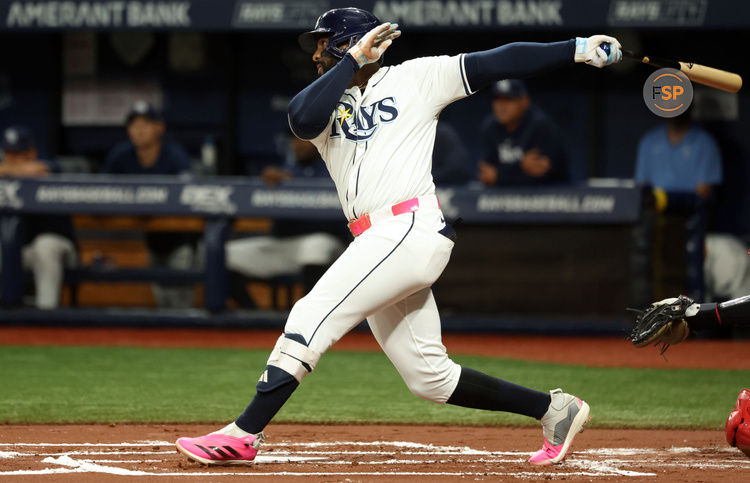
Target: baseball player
{"x":520,"y":143}
{"x":146,"y":152}
{"x":300,"y":246}
{"x":374,"y":127}
{"x":669,"y":321}
{"x":49,"y":241}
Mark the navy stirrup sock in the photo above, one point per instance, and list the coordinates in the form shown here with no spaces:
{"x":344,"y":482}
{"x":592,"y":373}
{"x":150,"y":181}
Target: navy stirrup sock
{"x":274,"y":387}
{"x":264,"y":407}
{"x":480,"y":391}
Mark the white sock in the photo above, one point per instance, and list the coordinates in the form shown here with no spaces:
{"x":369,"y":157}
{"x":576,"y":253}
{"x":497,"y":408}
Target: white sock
{"x":232,"y":429}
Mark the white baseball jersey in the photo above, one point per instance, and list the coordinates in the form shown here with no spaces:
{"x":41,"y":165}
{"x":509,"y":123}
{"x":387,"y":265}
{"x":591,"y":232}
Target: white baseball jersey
{"x":378,"y":149}
{"x":378,"y":144}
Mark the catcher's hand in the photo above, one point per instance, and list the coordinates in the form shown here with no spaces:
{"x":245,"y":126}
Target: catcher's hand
{"x":663,"y":322}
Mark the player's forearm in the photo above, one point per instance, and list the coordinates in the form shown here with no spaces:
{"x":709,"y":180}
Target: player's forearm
{"x":726,"y":314}
{"x":516,"y":60}
{"x":310,"y":110}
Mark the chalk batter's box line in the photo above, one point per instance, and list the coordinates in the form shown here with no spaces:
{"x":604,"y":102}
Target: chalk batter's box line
{"x":601,"y":469}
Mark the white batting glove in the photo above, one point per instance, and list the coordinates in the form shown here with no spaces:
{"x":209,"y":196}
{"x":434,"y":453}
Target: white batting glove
{"x":374,"y":43}
{"x":591,"y":51}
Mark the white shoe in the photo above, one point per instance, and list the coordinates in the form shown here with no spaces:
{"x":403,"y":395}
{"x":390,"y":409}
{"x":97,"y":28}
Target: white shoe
{"x":563,"y":420}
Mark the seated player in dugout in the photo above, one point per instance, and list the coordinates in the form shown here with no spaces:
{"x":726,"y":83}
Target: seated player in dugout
{"x":145,"y":153}
{"x":295,"y":246}
{"x":49,"y":242}
{"x":375,"y":128}
{"x":521,"y":145}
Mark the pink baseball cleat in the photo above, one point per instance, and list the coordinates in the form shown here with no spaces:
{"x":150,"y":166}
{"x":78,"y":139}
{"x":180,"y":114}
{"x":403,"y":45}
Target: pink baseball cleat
{"x":563,"y":420}
{"x":221,"y":449}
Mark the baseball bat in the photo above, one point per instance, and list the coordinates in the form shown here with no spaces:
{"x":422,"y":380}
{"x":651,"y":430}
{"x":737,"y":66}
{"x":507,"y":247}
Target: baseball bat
{"x":709,"y":76}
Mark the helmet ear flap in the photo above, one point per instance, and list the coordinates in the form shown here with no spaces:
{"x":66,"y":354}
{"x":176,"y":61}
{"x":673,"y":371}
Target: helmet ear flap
{"x":337,"y":52}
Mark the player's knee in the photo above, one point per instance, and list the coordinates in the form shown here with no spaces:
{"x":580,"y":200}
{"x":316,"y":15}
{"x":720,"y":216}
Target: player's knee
{"x":319,"y":249}
{"x":299,"y":316}
{"x":242,"y":256}
{"x":437,"y":387}
{"x":428,"y":390}
{"x":47,"y":246}
{"x":290,"y":360}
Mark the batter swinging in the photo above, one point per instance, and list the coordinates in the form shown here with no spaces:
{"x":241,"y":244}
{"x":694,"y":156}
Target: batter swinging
{"x":375,"y":127}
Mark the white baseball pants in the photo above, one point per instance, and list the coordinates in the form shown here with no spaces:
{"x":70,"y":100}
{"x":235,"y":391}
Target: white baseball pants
{"x":267,"y":256}
{"x":47,"y":256}
{"x":385,"y":276}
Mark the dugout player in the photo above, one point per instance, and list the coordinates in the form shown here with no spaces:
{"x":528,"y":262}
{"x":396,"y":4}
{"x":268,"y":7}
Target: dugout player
{"x":296,"y":246}
{"x":148,"y":153}
{"x":374,"y":127}
{"x":681,"y":157}
{"x":450,"y":158}
{"x":49,"y":242}
{"x":521,"y":145}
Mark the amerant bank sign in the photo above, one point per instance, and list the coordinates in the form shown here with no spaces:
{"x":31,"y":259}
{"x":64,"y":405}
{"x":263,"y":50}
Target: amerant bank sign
{"x":101,"y":14}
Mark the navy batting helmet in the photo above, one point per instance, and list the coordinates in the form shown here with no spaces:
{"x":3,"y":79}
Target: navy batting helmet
{"x":343,"y":25}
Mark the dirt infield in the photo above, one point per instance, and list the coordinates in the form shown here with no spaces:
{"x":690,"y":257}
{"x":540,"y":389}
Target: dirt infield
{"x":310,"y":453}
{"x":313,"y":453}
{"x":590,"y":351}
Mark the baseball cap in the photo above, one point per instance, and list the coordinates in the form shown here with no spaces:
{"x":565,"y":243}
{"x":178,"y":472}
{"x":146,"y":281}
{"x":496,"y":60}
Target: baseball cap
{"x":17,"y":139}
{"x":510,"y":88}
{"x":145,"y":109}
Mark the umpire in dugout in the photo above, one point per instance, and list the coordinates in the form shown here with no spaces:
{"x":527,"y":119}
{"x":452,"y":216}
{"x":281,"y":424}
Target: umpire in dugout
{"x":49,"y":243}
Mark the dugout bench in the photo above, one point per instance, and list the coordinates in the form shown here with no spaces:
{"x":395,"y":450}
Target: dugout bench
{"x":513,"y":241}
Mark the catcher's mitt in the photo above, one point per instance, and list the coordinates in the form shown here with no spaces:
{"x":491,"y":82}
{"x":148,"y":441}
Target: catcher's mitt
{"x":663,"y":323}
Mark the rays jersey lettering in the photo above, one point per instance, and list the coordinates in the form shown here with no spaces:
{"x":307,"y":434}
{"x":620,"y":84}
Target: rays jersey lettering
{"x":378,"y":142}
{"x":361,"y":126}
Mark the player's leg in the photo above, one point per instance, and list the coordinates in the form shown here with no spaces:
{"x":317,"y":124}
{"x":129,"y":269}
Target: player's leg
{"x":409,"y":332}
{"x":314,"y":253}
{"x":379,"y":268}
{"x":368,"y":276}
{"x":47,"y":256}
{"x":726,"y":266}
{"x":261,"y":257}
{"x":257,"y":257}
{"x":183,"y":257}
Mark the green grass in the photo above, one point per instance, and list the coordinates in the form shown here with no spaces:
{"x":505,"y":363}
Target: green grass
{"x":106,"y":384}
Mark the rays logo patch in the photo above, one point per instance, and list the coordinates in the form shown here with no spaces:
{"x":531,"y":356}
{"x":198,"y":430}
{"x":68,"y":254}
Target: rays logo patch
{"x":362,"y":125}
